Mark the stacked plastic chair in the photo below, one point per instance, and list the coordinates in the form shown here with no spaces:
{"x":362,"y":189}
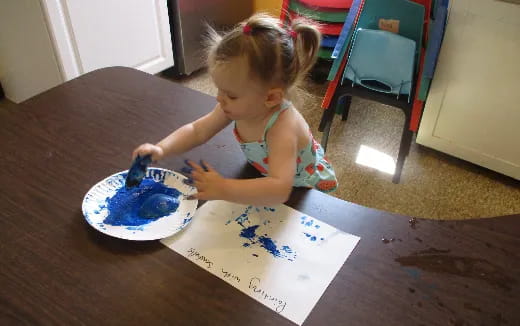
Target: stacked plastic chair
{"x":330,"y":16}
{"x":390,"y":33}
{"x":429,"y":59}
{"x":387,"y":59}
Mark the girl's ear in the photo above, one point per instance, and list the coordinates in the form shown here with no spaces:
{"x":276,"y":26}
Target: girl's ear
{"x":274,"y":97}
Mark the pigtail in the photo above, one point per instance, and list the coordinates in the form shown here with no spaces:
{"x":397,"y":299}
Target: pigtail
{"x":306,"y":46}
{"x":211,"y":40}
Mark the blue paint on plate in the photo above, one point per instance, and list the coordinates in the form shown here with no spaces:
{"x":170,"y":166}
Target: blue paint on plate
{"x":123,"y":207}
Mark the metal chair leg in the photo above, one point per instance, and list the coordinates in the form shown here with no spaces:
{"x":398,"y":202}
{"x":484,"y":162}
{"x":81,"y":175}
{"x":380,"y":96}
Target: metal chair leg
{"x":324,"y":117}
{"x":326,"y":121}
{"x":346,"y":108}
{"x":404,"y":149}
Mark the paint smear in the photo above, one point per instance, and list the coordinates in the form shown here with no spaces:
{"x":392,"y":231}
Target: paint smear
{"x":249,"y":232}
{"x":124,"y":206}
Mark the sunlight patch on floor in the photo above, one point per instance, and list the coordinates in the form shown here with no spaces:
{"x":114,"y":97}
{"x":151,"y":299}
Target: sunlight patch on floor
{"x":373,"y":158}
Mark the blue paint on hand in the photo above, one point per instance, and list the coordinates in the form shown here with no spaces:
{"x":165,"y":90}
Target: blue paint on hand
{"x":137,"y":171}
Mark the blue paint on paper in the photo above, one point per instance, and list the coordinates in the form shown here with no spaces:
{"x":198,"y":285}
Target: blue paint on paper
{"x":317,"y":226}
{"x":249,"y":233}
{"x":264,"y":241}
{"x":242,"y":218}
{"x":269,"y":245}
{"x":311,"y":237}
{"x":309,"y":223}
{"x":123,"y":207}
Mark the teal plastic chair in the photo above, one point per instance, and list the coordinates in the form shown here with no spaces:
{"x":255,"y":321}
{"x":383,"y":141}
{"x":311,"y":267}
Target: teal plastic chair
{"x":382,"y":61}
{"x":409,"y":14}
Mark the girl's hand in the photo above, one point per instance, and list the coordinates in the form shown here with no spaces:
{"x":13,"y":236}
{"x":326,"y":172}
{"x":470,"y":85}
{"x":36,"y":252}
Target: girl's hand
{"x":145,"y":149}
{"x":209,"y":183}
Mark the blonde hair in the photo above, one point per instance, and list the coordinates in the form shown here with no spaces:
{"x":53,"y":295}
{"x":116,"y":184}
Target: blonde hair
{"x":277,"y":55}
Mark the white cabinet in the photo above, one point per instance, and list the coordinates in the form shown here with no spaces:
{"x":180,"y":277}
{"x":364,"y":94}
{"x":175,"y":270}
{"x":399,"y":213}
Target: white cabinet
{"x":473,"y":108}
{"x":46,"y":42}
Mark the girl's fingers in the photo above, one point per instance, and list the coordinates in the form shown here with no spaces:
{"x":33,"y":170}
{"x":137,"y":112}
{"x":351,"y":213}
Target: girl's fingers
{"x":192,"y":197}
{"x":195,"y":166}
{"x":206,"y":166}
{"x":199,"y":195}
{"x":196,"y":175}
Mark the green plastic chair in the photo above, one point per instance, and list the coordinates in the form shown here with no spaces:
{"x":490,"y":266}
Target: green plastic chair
{"x":321,"y":14}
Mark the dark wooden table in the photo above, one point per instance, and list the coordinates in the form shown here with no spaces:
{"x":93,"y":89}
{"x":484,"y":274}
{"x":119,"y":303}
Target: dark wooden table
{"x":56,"y":269}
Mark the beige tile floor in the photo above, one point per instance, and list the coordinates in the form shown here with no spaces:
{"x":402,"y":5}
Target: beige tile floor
{"x":433,"y":185}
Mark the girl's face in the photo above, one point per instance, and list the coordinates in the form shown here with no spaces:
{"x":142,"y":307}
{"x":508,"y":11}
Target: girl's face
{"x":240,"y":97}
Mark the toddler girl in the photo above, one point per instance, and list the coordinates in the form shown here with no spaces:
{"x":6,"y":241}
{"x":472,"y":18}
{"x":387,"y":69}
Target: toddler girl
{"x":253,"y":67}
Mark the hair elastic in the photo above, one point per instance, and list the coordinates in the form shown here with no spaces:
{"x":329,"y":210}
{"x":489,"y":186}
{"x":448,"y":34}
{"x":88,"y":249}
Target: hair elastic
{"x":247,"y":29}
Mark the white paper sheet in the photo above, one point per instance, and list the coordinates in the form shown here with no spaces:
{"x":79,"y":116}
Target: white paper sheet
{"x":276,"y":255}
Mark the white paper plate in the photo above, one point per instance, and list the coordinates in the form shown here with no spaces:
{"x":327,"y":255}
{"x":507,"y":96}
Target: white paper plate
{"x":95,"y":207}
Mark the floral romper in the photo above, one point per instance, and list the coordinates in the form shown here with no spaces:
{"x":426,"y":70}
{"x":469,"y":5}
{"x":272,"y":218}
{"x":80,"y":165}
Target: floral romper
{"x":313,"y":170}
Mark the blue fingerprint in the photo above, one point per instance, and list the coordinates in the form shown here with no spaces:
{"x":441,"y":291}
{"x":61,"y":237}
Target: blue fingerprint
{"x":249,"y":233}
{"x":269,"y":245}
{"x":264,"y":241}
{"x":123,"y":207}
{"x":309,"y":223}
{"x":310,"y":236}
{"x":317,"y":226}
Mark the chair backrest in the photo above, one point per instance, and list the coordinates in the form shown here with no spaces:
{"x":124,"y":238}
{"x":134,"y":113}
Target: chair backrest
{"x":406,"y":16}
{"x":427,"y":13}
